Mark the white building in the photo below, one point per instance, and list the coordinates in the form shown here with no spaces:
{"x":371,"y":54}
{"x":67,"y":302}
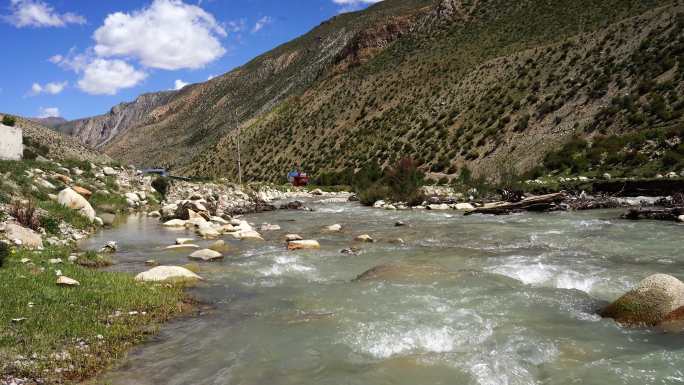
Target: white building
{"x":11,"y":143}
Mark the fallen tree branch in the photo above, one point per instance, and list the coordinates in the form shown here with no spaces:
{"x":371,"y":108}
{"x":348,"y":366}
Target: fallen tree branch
{"x":534,"y":203}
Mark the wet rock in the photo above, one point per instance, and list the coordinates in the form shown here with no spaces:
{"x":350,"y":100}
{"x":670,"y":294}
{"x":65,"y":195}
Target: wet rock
{"x":109,"y":247}
{"x":206,"y":255}
{"x":333,"y":228}
{"x":649,"y":303}
{"x":75,"y":201}
{"x":151,"y":262}
{"x":353,"y":198}
{"x":247,"y":235}
{"x":293,"y":237}
{"x":399,"y":224}
{"x":402,"y":272}
{"x":303,"y":244}
{"x":174,"y":223}
{"x":398,"y":241}
{"x":441,"y":206}
{"x":317,"y":192}
{"x":219,"y":245}
{"x":183,"y":246}
{"x":294,"y":205}
{"x":26,"y":237}
{"x":66,"y":281}
{"x":680,"y":218}
{"x":108,"y":219}
{"x":464,"y":206}
{"x":154,"y":214}
{"x":181,"y":241}
{"x":207,"y":231}
{"x":166,"y":274}
{"x":351,"y":250}
{"x":269,"y":227}
{"x":364,"y":238}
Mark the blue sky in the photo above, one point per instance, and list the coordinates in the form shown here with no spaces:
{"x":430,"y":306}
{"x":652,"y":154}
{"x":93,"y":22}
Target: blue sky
{"x":77,"y":58}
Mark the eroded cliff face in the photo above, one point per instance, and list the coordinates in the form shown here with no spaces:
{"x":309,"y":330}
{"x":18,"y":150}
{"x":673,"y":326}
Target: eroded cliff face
{"x":97,"y":131}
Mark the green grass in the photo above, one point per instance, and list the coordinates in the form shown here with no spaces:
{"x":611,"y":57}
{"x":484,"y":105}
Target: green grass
{"x":108,"y":202}
{"x":62,"y":317}
{"x":62,"y":213}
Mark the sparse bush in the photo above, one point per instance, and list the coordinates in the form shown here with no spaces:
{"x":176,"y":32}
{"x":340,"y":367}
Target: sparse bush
{"x":50,"y":224}
{"x":4,"y":252}
{"x":161,"y":184}
{"x":9,"y":120}
{"x":25,"y":214}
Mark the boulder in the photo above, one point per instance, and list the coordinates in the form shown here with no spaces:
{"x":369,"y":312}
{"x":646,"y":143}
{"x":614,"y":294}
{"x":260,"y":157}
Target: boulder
{"x":464,"y":206}
{"x":109,"y":247}
{"x":108,"y":171}
{"x":269,"y":227}
{"x":167,"y":273}
{"x":107,"y":219}
{"x":181,"y":241}
{"x":174,"y":223}
{"x":207,"y":231}
{"x":680,"y":218}
{"x":333,"y":228}
{"x":63,"y":178}
{"x":441,"y":206}
{"x":76,"y":201}
{"x":26,"y":237}
{"x":293,"y":237}
{"x":317,"y":192}
{"x":206,"y":255}
{"x":219,"y":245}
{"x":133,"y":197}
{"x":303,"y":244}
{"x":154,"y":214}
{"x":183,"y":246}
{"x":649,"y":303}
{"x":66,"y":281}
{"x":247,"y":235}
{"x":169,"y":211}
{"x":364,"y":238}
{"x":45,"y":184}
{"x":399,"y":224}
{"x":403,"y":272}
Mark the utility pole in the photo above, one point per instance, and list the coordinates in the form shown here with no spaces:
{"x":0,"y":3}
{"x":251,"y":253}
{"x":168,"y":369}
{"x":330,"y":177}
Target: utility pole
{"x":238,"y":149}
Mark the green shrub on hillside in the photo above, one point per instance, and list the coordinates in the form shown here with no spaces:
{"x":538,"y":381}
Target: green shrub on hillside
{"x":9,"y":120}
{"x":161,"y":184}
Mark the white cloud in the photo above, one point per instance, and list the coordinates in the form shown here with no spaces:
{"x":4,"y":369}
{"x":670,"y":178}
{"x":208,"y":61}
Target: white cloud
{"x":52,"y":88}
{"x":261,"y":23}
{"x":352,"y":5}
{"x":236,"y":25}
{"x":169,"y":34}
{"x":107,"y":77}
{"x":178,"y":84}
{"x":36,"y":13}
{"x":48,"y":112}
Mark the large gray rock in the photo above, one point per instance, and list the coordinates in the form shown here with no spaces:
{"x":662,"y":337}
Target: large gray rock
{"x":75,"y":201}
{"x":26,"y":237}
{"x":650,"y":303}
{"x":166,"y":274}
{"x":206,"y":255}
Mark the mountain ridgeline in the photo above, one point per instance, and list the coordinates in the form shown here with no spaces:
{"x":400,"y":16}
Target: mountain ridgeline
{"x":495,"y":86}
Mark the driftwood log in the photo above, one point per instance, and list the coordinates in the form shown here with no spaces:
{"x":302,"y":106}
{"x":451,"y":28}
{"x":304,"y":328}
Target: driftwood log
{"x":667,"y":214}
{"x":534,"y":203}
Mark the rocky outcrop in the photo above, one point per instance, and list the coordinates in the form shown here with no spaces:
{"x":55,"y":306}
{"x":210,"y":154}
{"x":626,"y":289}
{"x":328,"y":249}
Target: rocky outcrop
{"x":99,"y":130}
{"x":23,"y":236}
{"x":657,"y":298}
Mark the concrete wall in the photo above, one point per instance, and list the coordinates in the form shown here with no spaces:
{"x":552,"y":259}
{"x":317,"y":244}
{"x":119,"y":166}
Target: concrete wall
{"x":11,"y":142}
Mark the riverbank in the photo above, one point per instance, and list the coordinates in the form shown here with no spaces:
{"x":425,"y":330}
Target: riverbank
{"x":63,"y":318}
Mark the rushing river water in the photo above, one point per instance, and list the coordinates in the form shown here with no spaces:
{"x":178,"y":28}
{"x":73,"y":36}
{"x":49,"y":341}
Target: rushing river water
{"x":514,"y":303}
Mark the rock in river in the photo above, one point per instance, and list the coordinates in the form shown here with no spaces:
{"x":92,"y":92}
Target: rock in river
{"x":402,"y":272}
{"x":206,"y":255}
{"x":303,"y":244}
{"x":656,"y":298}
{"x":167,"y":273}
{"x":364,"y":238}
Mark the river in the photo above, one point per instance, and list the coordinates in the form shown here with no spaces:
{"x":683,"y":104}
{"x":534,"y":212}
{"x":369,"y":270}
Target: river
{"x":506,"y":300}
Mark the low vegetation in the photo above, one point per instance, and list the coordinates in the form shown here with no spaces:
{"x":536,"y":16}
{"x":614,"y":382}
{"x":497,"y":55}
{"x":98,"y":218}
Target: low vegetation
{"x":54,"y":334}
{"x":9,"y":120}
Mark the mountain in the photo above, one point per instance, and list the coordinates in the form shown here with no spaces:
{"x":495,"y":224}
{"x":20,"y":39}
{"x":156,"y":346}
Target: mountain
{"x":51,"y":121}
{"x":491,"y":85}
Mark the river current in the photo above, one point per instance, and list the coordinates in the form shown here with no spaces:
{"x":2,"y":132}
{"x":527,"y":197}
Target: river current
{"x":474,"y":300}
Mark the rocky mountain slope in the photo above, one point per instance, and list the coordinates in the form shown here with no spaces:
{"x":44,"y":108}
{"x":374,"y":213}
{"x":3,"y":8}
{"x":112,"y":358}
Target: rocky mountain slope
{"x":44,"y":141}
{"x":491,"y":85}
